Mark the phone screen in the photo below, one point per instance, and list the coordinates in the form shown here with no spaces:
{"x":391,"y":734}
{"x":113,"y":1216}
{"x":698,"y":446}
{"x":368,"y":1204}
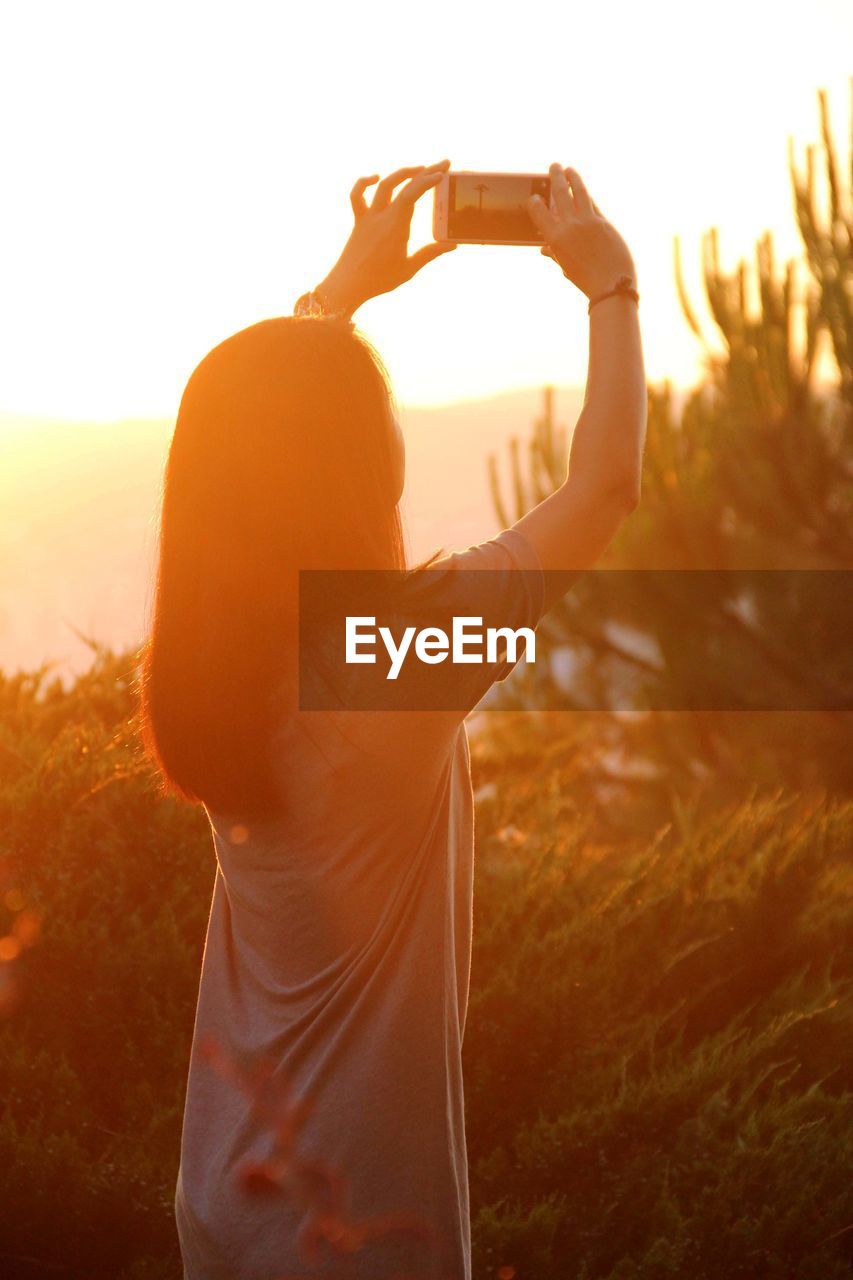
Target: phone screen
{"x":490,"y":206}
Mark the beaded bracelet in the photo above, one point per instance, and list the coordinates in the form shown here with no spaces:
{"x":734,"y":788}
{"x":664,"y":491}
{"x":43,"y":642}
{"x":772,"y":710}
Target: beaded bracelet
{"x":310,"y":304}
{"x":623,"y":285}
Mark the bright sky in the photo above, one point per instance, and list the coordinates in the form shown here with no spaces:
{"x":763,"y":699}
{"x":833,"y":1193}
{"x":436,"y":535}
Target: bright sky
{"x":175,"y":171}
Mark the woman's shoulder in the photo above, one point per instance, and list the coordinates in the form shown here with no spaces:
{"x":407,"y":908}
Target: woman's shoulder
{"x":508,"y":550}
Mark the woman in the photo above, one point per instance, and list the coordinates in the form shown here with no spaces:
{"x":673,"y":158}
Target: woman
{"x":339,"y":940}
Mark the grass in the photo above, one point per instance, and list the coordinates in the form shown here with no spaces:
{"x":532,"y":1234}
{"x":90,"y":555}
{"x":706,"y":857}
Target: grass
{"x":659,"y":1048}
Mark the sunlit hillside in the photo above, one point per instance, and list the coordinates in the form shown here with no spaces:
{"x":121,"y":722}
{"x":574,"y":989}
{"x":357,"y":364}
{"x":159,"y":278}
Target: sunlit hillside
{"x":78,"y":515}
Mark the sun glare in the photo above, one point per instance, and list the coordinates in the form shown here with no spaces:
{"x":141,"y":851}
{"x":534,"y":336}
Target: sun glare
{"x":171,"y":181}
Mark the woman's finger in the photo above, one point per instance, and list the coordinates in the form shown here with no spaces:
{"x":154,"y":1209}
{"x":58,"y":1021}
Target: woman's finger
{"x":583,"y":201}
{"x":560,"y":192}
{"x":434,"y":168}
{"x":543,"y":219}
{"x":356,"y":196}
{"x":385,"y":190}
{"x":425,"y":181}
{"x":427,"y":254}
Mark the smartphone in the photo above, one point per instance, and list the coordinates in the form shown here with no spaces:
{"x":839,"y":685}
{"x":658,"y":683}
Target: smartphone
{"x":488,"y":208}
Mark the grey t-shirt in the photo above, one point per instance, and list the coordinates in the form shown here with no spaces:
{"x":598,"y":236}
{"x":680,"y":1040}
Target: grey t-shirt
{"x":339,"y":949}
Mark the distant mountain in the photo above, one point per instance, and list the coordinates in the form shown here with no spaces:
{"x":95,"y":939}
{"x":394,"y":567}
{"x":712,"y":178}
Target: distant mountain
{"x":79,"y":505}
{"x":447,"y":501}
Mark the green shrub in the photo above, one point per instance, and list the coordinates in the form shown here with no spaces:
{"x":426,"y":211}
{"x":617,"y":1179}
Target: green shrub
{"x":660,"y":1046}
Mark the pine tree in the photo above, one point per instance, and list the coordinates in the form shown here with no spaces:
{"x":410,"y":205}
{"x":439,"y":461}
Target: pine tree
{"x":752,"y":470}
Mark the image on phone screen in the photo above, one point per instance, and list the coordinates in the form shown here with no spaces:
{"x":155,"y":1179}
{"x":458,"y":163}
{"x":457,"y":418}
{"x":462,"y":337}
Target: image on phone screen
{"x":491,"y":206}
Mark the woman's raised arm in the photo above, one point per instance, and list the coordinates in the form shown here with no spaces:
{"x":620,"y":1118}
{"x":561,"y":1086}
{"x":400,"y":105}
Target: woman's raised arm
{"x":376,"y":257}
{"x":570,"y":529}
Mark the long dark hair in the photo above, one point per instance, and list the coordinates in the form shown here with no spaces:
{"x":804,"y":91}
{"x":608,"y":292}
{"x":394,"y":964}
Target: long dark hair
{"x":283,"y":458}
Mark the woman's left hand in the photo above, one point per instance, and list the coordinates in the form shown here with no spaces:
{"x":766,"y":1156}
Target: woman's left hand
{"x":376,"y":257}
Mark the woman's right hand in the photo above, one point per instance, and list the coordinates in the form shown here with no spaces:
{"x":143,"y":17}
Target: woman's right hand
{"x":578,"y":237}
{"x":376,"y":259}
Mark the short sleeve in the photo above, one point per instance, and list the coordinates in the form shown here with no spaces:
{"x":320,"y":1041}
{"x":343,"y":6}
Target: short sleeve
{"x":500,"y":581}
{"x":460,"y":623}
{"x":516,"y":593}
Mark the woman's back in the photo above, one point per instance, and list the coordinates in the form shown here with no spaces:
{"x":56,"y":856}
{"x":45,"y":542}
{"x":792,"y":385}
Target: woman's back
{"x":339,"y":947}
